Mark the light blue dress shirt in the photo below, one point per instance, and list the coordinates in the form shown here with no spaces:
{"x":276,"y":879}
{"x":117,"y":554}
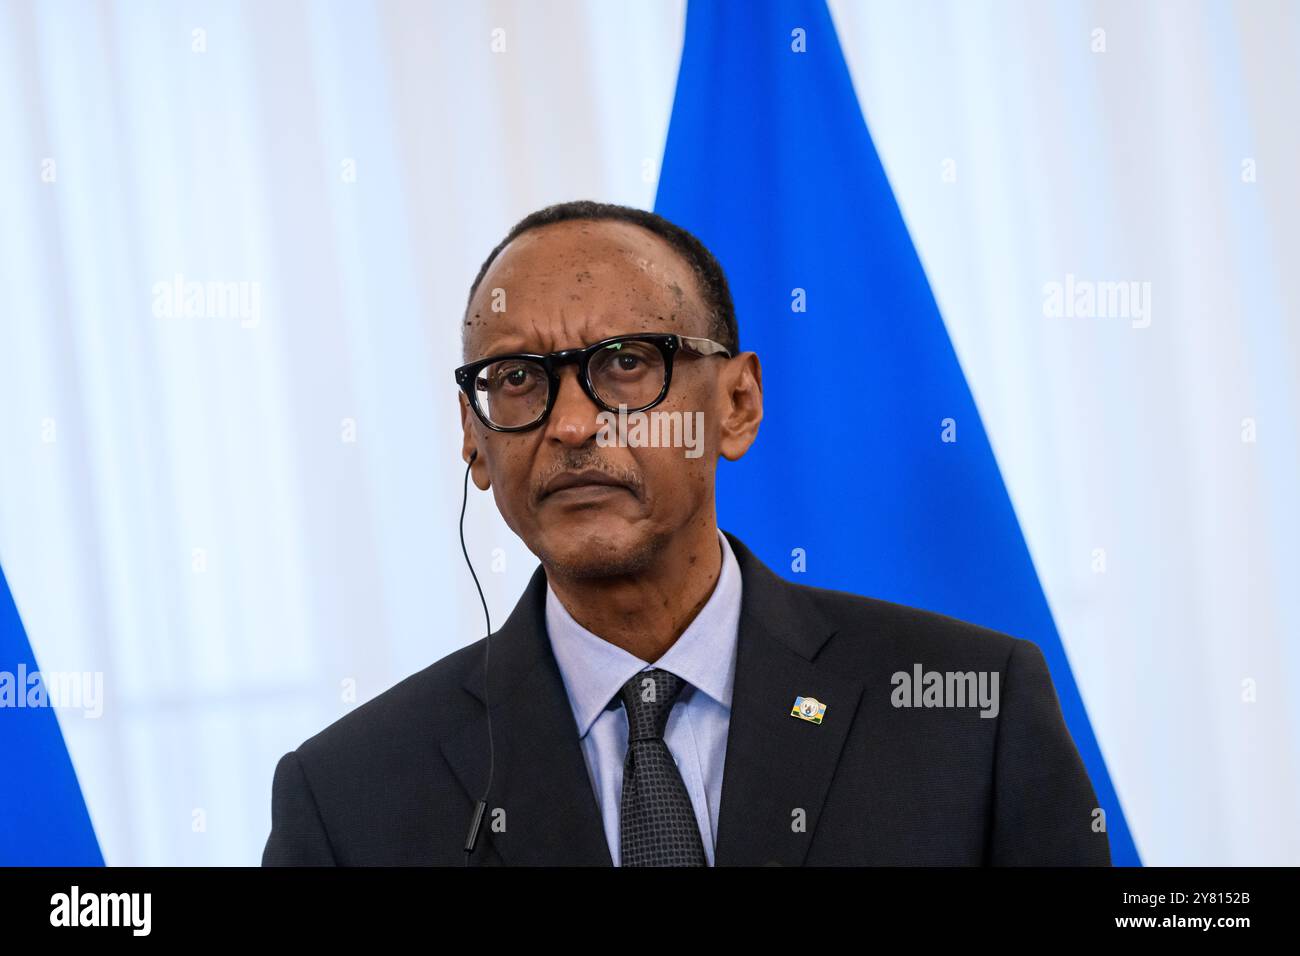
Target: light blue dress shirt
{"x":704,"y":656}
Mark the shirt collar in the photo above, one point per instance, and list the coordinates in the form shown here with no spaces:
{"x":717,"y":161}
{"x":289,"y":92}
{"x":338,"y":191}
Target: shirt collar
{"x":594,"y":670}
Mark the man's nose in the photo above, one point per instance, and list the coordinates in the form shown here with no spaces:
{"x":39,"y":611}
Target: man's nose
{"x":573,"y":416}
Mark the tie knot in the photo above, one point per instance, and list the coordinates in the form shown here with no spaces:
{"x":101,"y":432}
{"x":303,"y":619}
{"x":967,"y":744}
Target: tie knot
{"x":648,"y":697}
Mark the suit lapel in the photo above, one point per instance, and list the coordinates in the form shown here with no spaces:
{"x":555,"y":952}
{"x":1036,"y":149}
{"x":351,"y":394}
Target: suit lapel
{"x":541,"y":809}
{"x":778,"y":768}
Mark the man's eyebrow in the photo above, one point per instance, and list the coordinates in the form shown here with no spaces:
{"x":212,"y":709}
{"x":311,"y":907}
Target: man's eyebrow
{"x":509,"y":347}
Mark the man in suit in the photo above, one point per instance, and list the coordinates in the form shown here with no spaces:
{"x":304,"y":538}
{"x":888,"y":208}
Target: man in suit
{"x":658,"y":696}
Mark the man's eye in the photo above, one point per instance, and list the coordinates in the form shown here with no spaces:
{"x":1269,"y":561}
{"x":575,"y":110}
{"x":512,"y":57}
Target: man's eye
{"x":515,"y":378}
{"x":626,"y":362}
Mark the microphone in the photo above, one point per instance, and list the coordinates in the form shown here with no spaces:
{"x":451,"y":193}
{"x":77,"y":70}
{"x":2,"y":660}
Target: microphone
{"x":476,"y":821}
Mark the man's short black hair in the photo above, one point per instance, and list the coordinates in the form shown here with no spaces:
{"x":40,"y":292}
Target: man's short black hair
{"x":708,"y":272}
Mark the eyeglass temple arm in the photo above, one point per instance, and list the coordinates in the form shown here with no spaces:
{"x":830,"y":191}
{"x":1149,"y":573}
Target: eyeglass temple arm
{"x":704,"y":346}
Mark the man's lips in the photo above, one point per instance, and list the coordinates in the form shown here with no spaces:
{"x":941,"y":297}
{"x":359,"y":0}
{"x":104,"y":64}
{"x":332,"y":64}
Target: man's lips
{"x":585,"y":480}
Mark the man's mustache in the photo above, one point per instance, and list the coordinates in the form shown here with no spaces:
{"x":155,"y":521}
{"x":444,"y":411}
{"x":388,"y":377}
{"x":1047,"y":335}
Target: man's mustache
{"x":626,"y":477}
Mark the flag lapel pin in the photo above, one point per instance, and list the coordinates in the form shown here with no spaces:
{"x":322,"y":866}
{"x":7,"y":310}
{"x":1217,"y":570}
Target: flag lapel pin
{"x":808,"y":708}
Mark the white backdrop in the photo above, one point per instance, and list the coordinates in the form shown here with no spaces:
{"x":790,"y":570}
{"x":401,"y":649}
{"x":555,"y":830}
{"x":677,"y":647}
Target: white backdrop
{"x":240,"y":518}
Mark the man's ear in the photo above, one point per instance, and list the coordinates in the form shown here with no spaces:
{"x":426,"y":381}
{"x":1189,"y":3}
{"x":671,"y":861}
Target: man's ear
{"x":743,"y":404}
{"x":478,"y":471}
{"x":469,"y":448}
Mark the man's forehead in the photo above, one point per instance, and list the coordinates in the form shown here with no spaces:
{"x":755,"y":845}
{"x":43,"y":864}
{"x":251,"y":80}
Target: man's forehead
{"x":559,"y":285}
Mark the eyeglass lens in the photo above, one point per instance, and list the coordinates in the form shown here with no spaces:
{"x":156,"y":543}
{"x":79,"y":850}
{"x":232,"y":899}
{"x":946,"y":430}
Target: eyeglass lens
{"x":515,"y":392}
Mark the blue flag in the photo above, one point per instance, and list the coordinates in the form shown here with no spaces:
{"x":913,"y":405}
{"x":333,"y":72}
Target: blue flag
{"x":43,"y":818}
{"x":871,"y":457}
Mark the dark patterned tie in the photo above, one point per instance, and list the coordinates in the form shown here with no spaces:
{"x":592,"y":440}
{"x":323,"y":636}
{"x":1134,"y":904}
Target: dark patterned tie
{"x":656,"y":825}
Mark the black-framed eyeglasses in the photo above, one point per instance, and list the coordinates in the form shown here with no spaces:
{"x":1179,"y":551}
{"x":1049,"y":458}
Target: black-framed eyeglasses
{"x":515,"y":392}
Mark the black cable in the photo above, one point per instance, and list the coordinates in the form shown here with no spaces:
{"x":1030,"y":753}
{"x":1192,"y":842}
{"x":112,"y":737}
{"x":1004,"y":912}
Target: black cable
{"x":476,"y":821}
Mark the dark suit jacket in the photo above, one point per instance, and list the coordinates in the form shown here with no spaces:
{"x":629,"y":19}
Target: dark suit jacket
{"x":395,"y":781}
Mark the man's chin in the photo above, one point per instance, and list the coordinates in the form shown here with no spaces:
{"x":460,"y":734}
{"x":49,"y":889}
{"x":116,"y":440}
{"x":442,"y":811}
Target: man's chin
{"x":584,"y":554}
